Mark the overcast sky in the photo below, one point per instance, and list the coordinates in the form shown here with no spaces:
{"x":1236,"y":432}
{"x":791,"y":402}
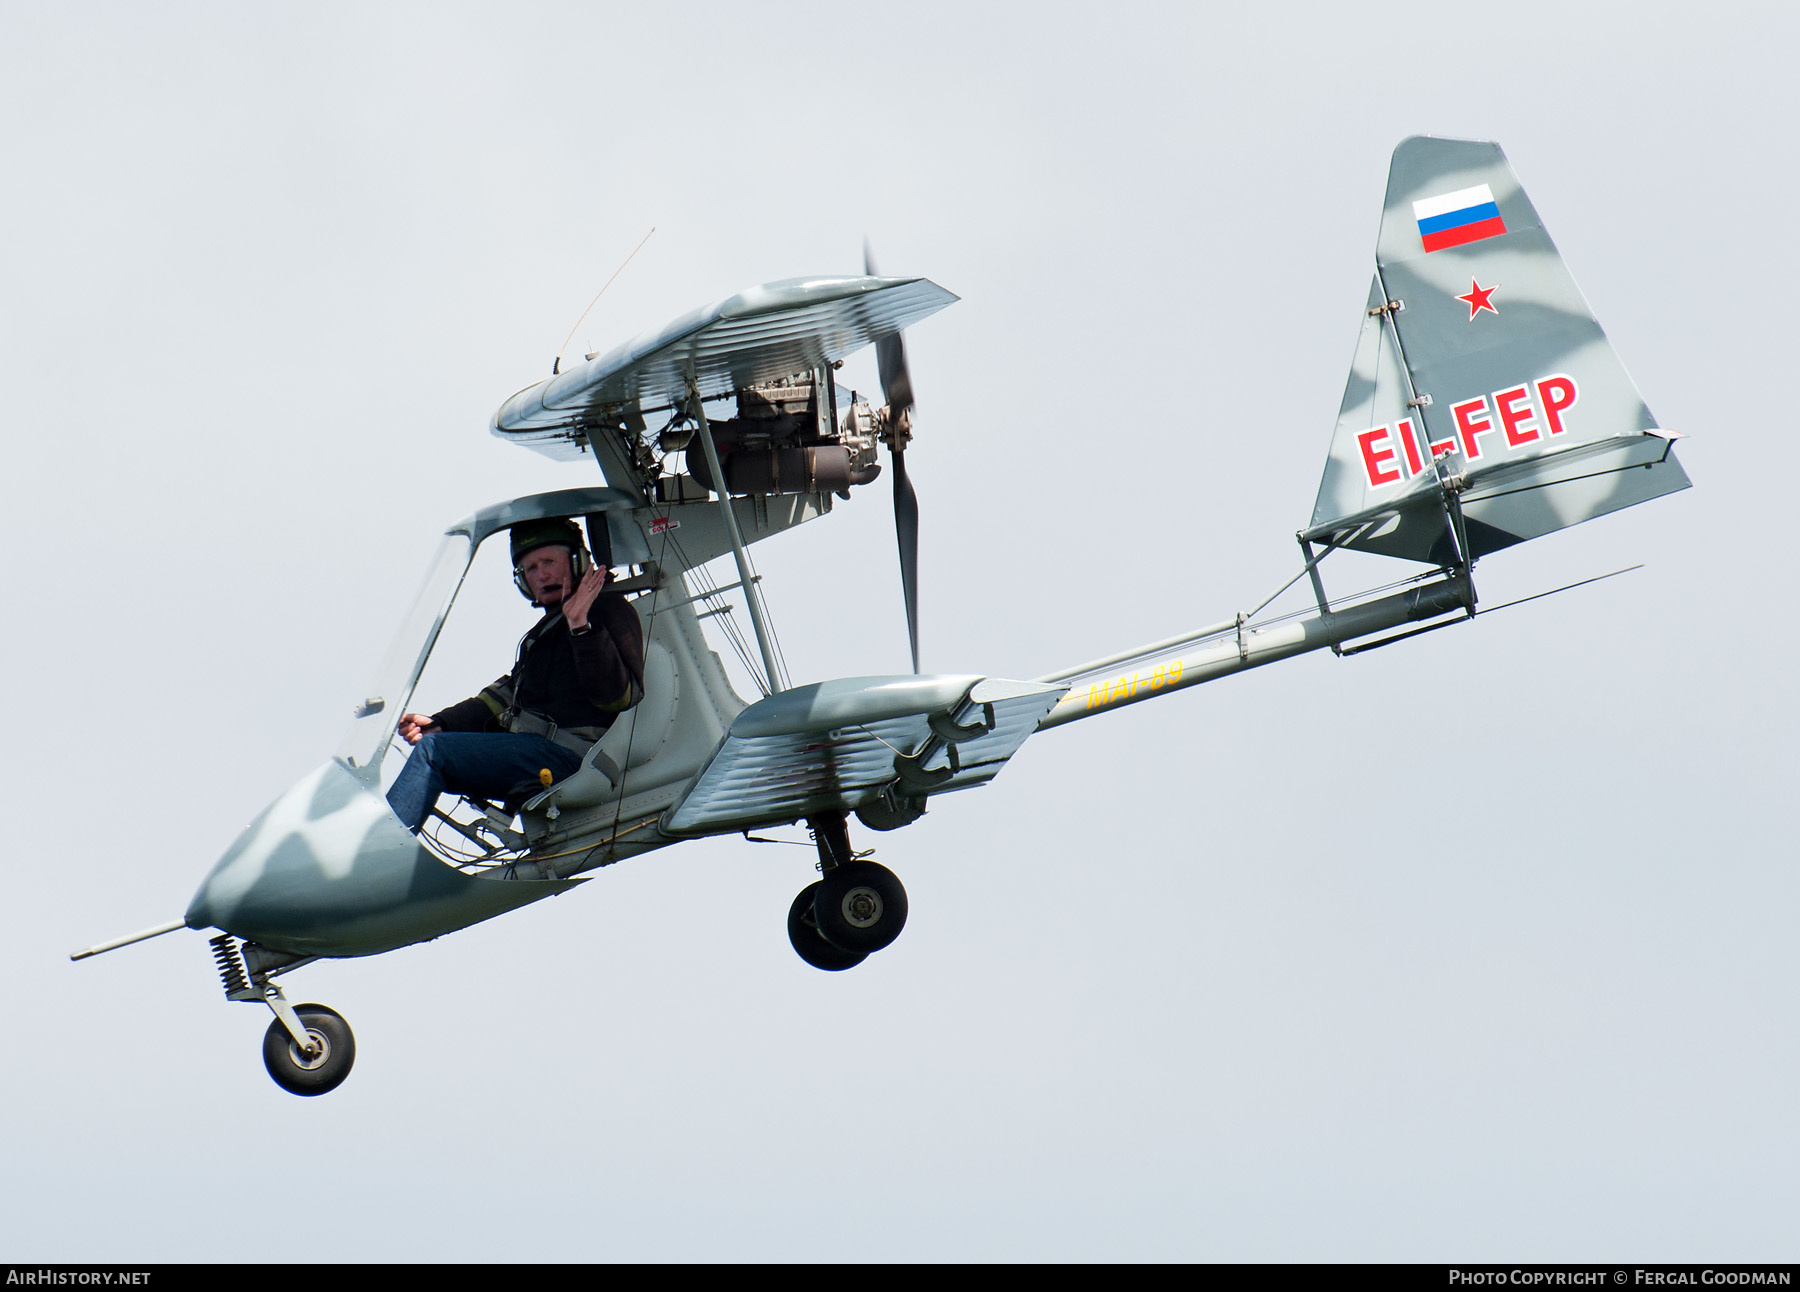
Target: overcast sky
{"x":1477,"y":948}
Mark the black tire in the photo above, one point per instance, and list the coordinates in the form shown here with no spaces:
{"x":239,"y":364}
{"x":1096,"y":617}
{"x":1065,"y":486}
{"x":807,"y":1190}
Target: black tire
{"x":860,"y":907}
{"x":812,"y":948}
{"x":293,"y":1070}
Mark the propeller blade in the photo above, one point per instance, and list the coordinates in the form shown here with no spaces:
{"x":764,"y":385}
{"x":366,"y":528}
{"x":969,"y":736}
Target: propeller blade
{"x":890,"y":358}
{"x":906,"y":529}
{"x":896,"y":391}
{"x":896,"y":382}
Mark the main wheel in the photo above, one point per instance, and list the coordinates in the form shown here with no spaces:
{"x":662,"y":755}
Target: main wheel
{"x":860,"y":906}
{"x":803,"y":932}
{"x":300,"y":1073}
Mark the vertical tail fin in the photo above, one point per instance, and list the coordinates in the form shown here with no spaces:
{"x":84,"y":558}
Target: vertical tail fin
{"x":1481,"y":371}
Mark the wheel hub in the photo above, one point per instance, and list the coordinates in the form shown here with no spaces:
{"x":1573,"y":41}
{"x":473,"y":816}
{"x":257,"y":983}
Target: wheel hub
{"x":321,"y":1051}
{"x":862,"y":907}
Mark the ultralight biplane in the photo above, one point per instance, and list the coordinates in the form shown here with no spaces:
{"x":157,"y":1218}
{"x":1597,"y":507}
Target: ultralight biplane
{"x":1485,"y":407}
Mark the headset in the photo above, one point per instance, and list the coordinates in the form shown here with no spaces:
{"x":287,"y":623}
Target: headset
{"x":579,"y":561}
{"x":579,"y":564}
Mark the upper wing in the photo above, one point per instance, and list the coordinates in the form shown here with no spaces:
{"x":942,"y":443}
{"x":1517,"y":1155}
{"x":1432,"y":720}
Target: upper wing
{"x":1478,"y":348}
{"x":837,"y":746}
{"x":762,"y":334}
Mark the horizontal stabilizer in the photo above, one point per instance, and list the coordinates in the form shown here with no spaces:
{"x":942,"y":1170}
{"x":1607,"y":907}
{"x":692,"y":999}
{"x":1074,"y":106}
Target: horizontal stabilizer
{"x":1480,"y":372}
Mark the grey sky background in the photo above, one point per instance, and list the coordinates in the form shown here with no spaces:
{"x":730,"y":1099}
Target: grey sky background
{"x":1476,"y":948}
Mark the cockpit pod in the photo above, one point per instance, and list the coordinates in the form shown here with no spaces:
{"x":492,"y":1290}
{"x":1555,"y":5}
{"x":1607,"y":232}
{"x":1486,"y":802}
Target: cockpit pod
{"x":327,"y":869}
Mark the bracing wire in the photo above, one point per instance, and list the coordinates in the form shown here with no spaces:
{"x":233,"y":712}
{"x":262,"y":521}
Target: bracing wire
{"x":734,"y":633}
{"x":1565,"y":588}
{"x":707,"y":590}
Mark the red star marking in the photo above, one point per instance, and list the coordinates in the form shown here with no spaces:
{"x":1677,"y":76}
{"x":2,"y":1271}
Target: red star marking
{"x":1478,"y":299}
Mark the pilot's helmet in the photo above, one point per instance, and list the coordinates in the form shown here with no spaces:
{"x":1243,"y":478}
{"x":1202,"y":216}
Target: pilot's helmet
{"x":528,"y":536}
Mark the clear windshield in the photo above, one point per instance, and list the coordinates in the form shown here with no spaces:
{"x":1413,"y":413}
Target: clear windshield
{"x":379,"y":711}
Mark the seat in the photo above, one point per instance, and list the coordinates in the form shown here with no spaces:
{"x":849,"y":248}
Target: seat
{"x":636,"y":736}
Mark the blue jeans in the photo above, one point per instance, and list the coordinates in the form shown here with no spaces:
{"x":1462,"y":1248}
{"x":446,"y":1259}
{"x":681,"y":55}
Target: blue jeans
{"x":484,"y":765}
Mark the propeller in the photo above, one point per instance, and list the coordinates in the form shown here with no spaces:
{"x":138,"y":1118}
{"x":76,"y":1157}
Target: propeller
{"x":896,"y":390}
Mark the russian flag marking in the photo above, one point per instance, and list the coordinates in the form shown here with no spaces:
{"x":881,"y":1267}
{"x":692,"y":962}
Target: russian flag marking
{"x":1452,"y":219}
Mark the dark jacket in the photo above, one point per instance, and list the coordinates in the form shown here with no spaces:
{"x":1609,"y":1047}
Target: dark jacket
{"x":579,"y":681}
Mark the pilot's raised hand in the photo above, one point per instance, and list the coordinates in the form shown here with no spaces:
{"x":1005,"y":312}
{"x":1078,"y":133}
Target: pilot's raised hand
{"x":414,"y":725}
{"x":575,"y":608}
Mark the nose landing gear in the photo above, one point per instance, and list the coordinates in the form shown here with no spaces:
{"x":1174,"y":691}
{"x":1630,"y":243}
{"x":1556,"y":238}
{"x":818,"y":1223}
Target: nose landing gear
{"x":308,"y":1049}
{"x":857,"y":909}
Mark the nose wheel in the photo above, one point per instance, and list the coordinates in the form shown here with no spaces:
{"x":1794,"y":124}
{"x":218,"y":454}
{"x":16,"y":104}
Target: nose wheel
{"x":322,"y":1064}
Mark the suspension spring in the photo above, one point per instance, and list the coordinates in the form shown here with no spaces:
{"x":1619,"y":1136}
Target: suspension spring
{"x":231,"y":965}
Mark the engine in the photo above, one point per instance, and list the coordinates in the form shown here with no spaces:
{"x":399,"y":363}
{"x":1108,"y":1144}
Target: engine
{"x":786,"y":438}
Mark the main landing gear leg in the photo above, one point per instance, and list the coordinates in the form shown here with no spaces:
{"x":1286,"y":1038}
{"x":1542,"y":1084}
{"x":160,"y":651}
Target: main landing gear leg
{"x":831,"y":833}
{"x":859,"y":907}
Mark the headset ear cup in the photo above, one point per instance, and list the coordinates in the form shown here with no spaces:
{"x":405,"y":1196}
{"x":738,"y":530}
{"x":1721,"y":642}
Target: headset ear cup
{"x":579,"y":564}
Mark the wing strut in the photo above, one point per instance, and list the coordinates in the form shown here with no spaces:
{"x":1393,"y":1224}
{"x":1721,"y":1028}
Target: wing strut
{"x":752,"y":593}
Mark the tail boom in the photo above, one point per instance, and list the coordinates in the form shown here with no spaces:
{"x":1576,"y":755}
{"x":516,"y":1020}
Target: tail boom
{"x":1159,"y":674}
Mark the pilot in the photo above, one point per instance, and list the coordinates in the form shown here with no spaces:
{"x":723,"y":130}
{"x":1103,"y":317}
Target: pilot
{"x":578,"y":668}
